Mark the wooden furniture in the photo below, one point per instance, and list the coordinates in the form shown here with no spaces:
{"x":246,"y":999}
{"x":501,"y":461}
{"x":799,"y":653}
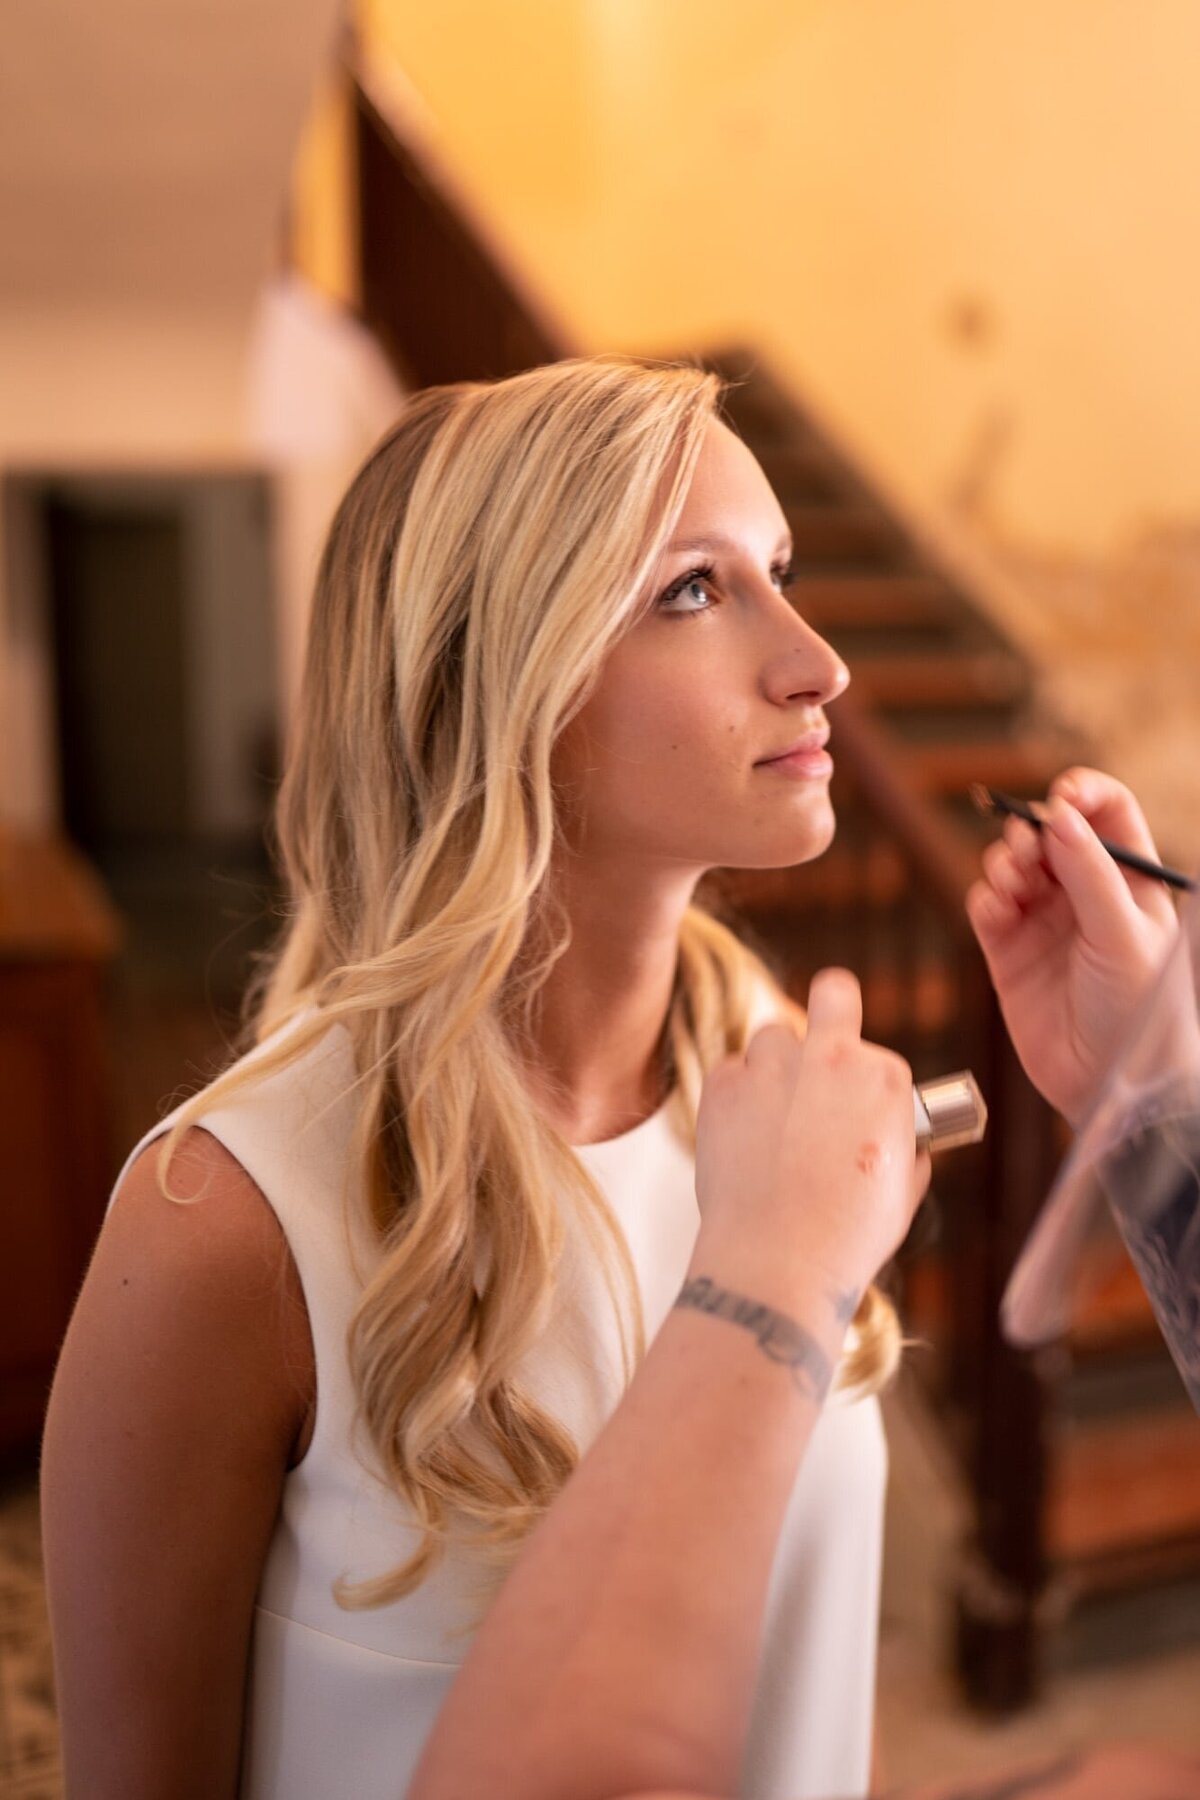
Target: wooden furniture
{"x":58,"y":936}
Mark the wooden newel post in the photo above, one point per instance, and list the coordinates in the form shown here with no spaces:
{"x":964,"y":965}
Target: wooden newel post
{"x":1003,"y":1569}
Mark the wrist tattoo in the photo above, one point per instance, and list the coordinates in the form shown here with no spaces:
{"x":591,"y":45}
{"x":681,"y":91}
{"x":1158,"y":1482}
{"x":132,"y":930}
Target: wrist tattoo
{"x":845,"y":1305}
{"x":782,"y":1339}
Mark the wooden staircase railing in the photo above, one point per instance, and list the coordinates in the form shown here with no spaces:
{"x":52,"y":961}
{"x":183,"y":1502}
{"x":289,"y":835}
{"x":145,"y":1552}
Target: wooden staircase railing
{"x":440,"y":302}
{"x":940,"y":699}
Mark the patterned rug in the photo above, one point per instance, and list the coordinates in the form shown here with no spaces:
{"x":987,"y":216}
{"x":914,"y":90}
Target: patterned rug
{"x":29,"y":1760}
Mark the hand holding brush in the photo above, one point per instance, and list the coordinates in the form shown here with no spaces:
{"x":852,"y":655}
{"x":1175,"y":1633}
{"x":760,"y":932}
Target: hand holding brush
{"x":987,"y":800}
{"x":1071,"y":937}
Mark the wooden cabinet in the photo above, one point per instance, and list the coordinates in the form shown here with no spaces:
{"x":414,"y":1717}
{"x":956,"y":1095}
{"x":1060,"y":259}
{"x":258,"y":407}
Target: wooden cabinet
{"x":58,"y":936}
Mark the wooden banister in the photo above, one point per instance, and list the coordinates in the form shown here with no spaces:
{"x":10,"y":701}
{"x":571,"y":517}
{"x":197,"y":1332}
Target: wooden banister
{"x":937,"y":860}
{"x":443,"y":305}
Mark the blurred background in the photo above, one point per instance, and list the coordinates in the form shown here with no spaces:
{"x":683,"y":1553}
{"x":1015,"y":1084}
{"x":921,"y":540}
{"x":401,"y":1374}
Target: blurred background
{"x":949,"y":257}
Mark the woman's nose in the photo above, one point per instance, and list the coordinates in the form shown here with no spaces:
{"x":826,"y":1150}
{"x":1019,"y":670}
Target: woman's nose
{"x":806,"y":667}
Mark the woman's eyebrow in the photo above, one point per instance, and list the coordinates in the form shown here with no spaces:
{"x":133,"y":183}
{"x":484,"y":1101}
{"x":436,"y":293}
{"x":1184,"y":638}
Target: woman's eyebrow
{"x":691,"y":546}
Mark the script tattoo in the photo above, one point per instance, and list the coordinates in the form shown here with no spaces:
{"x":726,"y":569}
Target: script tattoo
{"x":845,"y":1305}
{"x":784,"y":1340}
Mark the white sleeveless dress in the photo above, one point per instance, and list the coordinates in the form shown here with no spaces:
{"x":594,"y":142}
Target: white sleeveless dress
{"x":341,"y":1702}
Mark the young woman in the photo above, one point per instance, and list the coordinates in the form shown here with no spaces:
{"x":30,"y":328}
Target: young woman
{"x":360,"y":1306}
{"x":628,"y":1673}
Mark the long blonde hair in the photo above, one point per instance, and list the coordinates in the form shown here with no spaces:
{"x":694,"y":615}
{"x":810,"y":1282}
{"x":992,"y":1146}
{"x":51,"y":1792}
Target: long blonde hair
{"x":483,"y":563}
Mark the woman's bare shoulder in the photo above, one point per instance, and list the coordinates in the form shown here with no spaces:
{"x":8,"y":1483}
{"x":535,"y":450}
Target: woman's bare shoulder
{"x":204,"y":1272}
{"x":198,"y":1157}
{"x":210,"y":1205}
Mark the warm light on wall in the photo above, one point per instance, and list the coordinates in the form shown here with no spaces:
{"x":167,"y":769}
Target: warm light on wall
{"x":321,"y":213}
{"x":843,"y":186}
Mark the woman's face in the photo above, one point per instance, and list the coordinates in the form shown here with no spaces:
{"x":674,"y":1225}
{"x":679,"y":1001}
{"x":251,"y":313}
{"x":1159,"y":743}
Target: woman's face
{"x":669,"y":761}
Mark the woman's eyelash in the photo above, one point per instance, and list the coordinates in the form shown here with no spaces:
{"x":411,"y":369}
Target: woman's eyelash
{"x":783,"y":574}
{"x":705,"y":574}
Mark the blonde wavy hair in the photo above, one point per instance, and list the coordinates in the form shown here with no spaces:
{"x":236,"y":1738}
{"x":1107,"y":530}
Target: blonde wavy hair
{"x":483,"y":563}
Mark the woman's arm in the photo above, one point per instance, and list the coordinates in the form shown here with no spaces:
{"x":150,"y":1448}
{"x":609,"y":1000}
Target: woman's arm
{"x":622,"y":1651}
{"x":180,"y":1393}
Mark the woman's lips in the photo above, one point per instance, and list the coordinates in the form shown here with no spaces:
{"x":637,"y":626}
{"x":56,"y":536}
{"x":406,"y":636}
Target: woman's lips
{"x":810,"y":762}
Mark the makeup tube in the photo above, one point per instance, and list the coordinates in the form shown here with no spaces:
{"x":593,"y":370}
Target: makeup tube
{"x":949,"y":1111}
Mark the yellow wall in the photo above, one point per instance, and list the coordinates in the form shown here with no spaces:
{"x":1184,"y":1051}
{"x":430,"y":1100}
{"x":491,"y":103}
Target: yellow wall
{"x":322,"y":213}
{"x":967,"y":232}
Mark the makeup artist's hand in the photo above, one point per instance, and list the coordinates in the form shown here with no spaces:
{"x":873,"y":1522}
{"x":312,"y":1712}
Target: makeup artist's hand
{"x":805,"y":1151}
{"x":1072,"y":939}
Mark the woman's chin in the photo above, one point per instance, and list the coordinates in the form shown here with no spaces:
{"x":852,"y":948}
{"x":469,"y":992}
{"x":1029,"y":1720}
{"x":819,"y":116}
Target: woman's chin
{"x":815,"y":836}
{"x":789,"y":850}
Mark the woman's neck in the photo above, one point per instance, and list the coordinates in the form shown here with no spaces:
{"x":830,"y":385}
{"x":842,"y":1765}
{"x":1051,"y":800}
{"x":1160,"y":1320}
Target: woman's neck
{"x":600,"y":1062}
{"x":601,"y":1067}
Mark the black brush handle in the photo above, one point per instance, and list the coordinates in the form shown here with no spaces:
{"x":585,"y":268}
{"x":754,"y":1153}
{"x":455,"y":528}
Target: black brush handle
{"x":1019,"y":809}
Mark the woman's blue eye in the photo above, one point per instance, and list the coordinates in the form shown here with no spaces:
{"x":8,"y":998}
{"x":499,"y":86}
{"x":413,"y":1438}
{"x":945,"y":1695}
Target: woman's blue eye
{"x":698,"y":584}
{"x":696,"y":588}
{"x":694,"y":583}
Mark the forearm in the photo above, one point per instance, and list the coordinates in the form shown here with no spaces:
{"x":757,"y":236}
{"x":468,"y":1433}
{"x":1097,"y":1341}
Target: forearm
{"x":622,"y":1652}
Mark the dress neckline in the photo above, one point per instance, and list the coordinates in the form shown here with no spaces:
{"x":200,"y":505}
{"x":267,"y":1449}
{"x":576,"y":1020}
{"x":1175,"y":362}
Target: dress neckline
{"x":623,"y":1137}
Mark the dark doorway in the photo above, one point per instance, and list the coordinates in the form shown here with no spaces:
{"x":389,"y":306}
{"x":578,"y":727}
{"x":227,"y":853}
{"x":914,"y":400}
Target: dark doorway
{"x":118,"y":595}
{"x":157,"y":620}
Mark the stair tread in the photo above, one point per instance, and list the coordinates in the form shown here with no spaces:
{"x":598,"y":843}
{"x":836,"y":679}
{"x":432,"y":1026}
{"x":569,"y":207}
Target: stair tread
{"x":929,"y":724}
{"x":941,"y":677}
{"x":1113,"y":1313}
{"x":874,"y":875}
{"x":1017,"y":764}
{"x":800,"y":469}
{"x":845,"y":534}
{"x":897,"y":599}
{"x":1124,"y":1482}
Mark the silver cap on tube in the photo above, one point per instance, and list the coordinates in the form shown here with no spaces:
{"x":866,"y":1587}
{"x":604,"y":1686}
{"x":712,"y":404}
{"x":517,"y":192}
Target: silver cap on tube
{"x":949,"y":1111}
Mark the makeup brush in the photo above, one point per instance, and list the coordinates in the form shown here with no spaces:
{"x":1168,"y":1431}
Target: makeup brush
{"x":988,"y":801}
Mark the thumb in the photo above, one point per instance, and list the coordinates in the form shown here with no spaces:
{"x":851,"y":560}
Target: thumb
{"x":1098,"y":892}
{"x":834,"y":1004}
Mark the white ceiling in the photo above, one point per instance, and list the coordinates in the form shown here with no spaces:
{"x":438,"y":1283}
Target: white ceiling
{"x":145,"y":146}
